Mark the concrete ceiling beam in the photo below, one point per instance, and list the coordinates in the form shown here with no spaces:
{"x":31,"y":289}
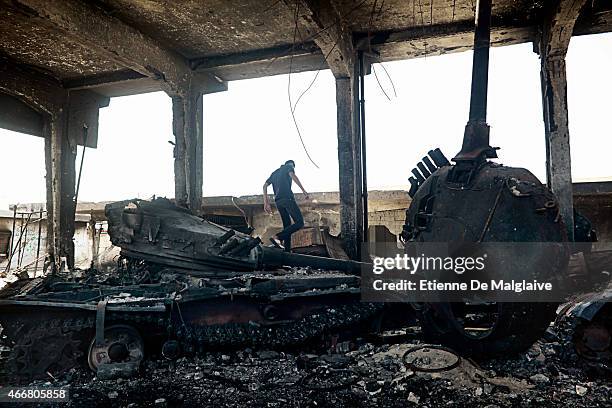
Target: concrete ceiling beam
{"x":322,"y":22}
{"x":41,"y":92}
{"x":558,"y":28}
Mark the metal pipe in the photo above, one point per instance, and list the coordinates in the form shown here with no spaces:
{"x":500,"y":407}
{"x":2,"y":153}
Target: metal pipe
{"x":480,"y":66}
{"x":20,"y":245}
{"x":364,"y":173}
{"x":17,"y":246}
{"x":24,"y":242}
{"x":76,"y":193}
{"x":40,"y":214}
{"x":10,"y":253}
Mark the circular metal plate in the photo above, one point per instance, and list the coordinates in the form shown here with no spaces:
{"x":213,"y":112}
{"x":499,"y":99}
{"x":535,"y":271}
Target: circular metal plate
{"x":122,"y":344}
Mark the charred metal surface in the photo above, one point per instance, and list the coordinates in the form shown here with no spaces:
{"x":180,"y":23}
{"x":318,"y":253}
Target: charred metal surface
{"x":51,"y":323}
{"x":475,"y":200}
{"x":162,"y":233}
{"x":489,"y":203}
{"x":181,"y":278}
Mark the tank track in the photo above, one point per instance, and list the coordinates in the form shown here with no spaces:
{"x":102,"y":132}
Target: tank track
{"x":55,"y":346}
{"x":202,"y":338}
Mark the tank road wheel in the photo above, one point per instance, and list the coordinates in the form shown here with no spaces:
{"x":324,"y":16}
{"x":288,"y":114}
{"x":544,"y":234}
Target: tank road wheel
{"x":122,"y":344}
{"x":486,"y":330}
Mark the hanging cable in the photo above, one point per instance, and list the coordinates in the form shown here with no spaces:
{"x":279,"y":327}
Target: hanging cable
{"x":315,"y":77}
{"x":318,"y":33}
{"x":246,"y":219}
{"x":378,"y":82}
{"x":297,"y":127}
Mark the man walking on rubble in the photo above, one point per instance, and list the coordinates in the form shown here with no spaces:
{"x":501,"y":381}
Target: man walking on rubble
{"x":285,"y":203}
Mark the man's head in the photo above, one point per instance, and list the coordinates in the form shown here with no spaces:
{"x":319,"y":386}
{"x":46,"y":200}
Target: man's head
{"x":290,"y":163}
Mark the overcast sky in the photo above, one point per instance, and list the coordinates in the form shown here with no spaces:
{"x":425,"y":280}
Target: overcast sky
{"x":248,"y":130}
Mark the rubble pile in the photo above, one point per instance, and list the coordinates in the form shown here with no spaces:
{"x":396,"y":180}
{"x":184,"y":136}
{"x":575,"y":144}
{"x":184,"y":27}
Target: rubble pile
{"x":359,"y":373}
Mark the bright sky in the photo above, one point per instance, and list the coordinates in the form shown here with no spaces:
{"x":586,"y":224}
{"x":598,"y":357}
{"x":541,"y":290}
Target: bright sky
{"x":248,"y":130}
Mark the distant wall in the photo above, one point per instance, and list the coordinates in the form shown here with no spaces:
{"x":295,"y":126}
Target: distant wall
{"x":29,"y":242}
{"x":387,"y":208}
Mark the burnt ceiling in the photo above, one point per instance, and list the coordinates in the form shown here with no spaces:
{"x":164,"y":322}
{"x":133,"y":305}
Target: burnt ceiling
{"x":235,"y":39}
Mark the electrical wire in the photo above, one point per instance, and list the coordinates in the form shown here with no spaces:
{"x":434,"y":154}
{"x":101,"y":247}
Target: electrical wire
{"x":378,"y":82}
{"x":297,"y":127}
{"x":390,"y":79}
{"x":296,"y":31}
{"x":242,"y":212}
{"x":318,"y":33}
{"x":315,"y":77}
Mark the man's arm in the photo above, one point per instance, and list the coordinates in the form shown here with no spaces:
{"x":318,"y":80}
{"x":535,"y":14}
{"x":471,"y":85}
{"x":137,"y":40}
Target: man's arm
{"x":267,"y":206}
{"x":297,"y":181}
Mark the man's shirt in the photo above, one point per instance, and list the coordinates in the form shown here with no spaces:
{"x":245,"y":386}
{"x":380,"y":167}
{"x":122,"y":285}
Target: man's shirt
{"x":281,"y":182}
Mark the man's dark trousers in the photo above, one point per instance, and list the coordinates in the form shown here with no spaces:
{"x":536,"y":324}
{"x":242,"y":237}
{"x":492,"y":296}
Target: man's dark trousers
{"x":289,"y":210}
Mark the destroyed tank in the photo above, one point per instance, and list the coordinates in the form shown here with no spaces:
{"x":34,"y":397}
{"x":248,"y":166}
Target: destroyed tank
{"x":482,"y":202}
{"x":183,"y":285}
{"x":477,"y":201}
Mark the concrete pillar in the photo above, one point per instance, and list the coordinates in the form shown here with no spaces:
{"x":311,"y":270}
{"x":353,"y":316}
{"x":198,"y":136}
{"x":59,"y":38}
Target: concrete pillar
{"x":187,"y":123}
{"x":349,"y":166}
{"x":63,"y":115}
{"x":60,"y":182}
{"x":553,"y":42}
{"x":180,"y":181}
{"x":558,"y":159}
{"x":49,"y":186}
{"x":64,"y":133}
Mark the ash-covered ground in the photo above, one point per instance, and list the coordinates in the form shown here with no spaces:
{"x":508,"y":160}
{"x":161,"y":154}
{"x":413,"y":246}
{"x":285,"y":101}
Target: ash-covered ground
{"x":360,"y":373}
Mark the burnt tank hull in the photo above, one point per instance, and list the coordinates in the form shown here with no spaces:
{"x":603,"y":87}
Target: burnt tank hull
{"x":52,"y":324}
{"x":158,"y":232}
{"x":186,"y":285}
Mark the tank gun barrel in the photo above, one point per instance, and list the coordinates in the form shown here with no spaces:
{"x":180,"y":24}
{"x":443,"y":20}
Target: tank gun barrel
{"x":475,"y":145}
{"x":274,"y":257}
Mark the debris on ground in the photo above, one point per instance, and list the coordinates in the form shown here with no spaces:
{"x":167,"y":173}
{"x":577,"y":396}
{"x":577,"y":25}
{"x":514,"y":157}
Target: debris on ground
{"x":368,"y":375}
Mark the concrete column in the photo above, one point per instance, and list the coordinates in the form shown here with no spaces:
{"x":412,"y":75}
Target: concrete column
{"x":63,"y":115}
{"x":357,"y":157}
{"x":188,"y":150}
{"x":558,"y":159}
{"x":554,"y":39}
{"x":64,"y":133}
{"x":60,"y":179}
{"x":349,"y":154}
{"x":49,"y":186}
{"x":180,"y":181}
